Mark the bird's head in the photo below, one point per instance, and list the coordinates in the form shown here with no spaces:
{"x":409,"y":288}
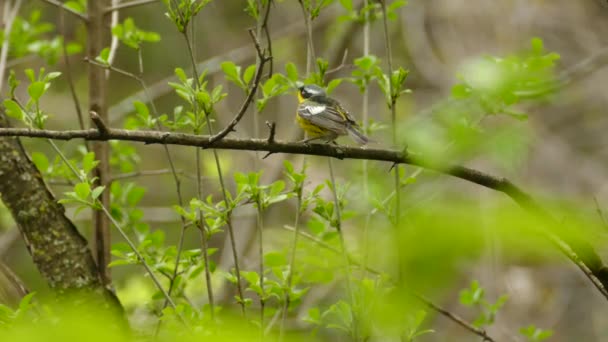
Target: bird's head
{"x":309,"y":90}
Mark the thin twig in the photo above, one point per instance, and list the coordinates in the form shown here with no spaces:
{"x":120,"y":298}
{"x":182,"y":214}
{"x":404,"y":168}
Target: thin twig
{"x":292,"y":262}
{"x":393,"y":103}
{"x":68,"y":71}
{"x":310,"y":55}
{"x":452,"y":316}
{"x":172,"y":167}
{"x":115,"y":69}
{"x":595,"y":274}
{"x":254,"y":88}
{"x":115,"y":17}
{"x":221,"y":180}
{"x":10,"y":19}
{"x":129,"y":4}
{"x":268,"y":39}
{"x":260,"y":224}
{"x":600,"y":212}
{"x":135,"y":174}
{"x":365,"y":114}
{"x":299,"y":190}
{"x":212,"y":65}
{"x":340,"y":66}
{"x":141,"y":259}
{"x":203,"y":233}
{"x":79,"y":175}
{"x":101,"y":126}
{"x":56,"y":3}
{"x":455,"y":318}
{"x":272,"y":128}
{"x":344,"y":252}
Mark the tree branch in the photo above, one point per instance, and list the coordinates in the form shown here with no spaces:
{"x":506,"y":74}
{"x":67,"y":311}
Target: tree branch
{"x":61,"y":6}
{"x":579,"y":252}
{"x":128,"y":5}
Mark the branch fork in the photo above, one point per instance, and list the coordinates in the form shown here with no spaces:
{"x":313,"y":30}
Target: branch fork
{"x":254,"y":88}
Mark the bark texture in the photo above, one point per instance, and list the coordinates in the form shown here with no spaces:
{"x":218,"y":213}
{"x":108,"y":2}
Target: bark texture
{"x":59,"y":251}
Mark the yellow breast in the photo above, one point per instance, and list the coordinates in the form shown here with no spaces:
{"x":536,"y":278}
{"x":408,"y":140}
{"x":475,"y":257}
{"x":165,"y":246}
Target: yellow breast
{"x":310,"y":129}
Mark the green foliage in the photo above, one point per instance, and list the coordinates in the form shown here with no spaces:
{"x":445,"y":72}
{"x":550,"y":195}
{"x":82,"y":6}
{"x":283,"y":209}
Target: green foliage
{"x":30,"y":113}
{"x":29,"y":36}
{"x":415,"y":326}
{"x":132,"y":36}
{"x":490,"y":86}
{"x":438,"y":235}
{"x":85,"y":194}
{"x":392,"y":87}
{"x":104,"y":57}
{"x":142,"y":114}
{"x":263,"y":196}
{"x":9,"y":316}
{"x":371,"y":12}
{"x":276,"y":85}
{"x":498,"y":84}
{"x":367,"y":70}
{"x":181,"y":12}
{"x":534,"y":334}
{"x":474,"y":296}
{"x":254,"y":7}
{"x":314,"y":7}
{"x":233,"y":74}
{"x":201,"y":102}
{"x":79,"y":6}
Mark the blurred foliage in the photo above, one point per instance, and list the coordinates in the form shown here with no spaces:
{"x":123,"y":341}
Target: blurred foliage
{"x":373,"y":277}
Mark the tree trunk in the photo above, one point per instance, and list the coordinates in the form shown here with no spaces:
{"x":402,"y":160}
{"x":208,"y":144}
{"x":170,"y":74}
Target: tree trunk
{"x":59,"y":251}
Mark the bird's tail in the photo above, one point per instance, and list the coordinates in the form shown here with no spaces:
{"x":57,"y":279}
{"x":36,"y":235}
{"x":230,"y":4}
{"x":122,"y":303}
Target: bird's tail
{"x":357,"y":136}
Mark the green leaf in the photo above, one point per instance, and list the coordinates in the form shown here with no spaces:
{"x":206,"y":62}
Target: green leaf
{"x":73,"y":48}
{"x":181,"y":75}
{"x":333,"y":84}
{"x":347,"y":4}
{"x":41,"y":161}
{"x":52,"y":75}
{"x":97,"y":191}
{"x":314,"y":316}
{"x":76,"y":6}
{"x":13,"y":110}
{"x":537,"y":45}
{"x":82,"y":190}
{"x":275,"y":259}
{"x":36,"y":90}
{"x":292,"y":72}
{"x":233,"y":73}
{"x":150,"y":36}
{"x":142,"y":109}
{"x":249,"y":72}
{"x":135,"y":195}
{"x":461,"y":91}
{"x":104,"y":57}
{"x":89,"y":162}
{"x":30,"y":74}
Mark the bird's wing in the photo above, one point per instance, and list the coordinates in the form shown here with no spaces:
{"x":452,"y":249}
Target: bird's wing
{"x":323,"y":115}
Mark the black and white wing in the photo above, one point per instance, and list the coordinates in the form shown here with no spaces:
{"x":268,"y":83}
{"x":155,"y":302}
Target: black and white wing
{"x":322,"y":115}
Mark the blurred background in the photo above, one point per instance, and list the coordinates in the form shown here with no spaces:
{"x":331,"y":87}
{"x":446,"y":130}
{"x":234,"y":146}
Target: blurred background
{"x":558,"y":154}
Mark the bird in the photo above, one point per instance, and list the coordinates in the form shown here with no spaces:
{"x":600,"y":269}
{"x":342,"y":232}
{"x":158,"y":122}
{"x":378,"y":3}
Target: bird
{"x":324,"y":118}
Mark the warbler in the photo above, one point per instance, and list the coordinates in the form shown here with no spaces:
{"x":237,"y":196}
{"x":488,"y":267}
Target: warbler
{"x":324,"y":118}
